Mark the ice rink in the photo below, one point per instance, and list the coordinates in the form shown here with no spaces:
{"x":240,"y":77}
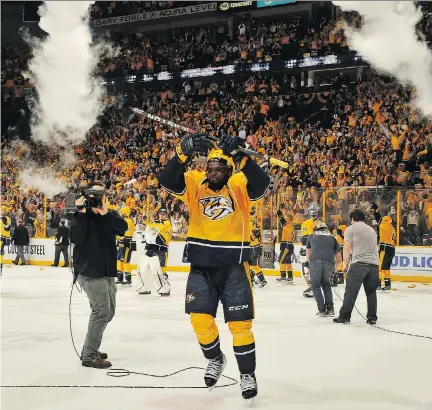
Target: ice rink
{"x":303,"y":361}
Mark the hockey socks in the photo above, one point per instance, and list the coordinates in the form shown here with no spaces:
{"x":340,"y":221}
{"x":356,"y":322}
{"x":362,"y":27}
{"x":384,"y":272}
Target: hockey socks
{"x":207,"y":334}
{"x":244,"y":345}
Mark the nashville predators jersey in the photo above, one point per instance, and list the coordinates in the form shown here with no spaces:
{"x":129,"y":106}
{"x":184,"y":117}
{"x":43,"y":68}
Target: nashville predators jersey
{"x":288,"y":233}
{"x":5,"y":227}
{"x":339,"y":233}
{"x":219,"y":222}
{"x":159,"y":233}
{"x":255,"y":236}
{"x":387,"y":233}
{"x":307,"y":227}
{"x":130,"y":230}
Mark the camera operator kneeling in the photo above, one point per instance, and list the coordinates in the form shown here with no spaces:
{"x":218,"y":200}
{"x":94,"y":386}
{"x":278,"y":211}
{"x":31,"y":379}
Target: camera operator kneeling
{"x":93,"y":232}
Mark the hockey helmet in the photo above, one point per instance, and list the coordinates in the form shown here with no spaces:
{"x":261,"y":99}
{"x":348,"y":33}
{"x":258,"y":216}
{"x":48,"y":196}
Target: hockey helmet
{"x":217,"y":155}
{"x":312,"y":210}
{"x":320,"y":225}
{"x":125,"y":211}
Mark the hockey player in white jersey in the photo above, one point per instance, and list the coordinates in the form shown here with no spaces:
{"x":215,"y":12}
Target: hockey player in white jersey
{"x":156,"y":237}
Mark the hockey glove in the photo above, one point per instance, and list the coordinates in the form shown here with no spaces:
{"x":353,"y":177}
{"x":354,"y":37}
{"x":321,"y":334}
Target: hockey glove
{"x":230,"y":146}
{"x":279,"y":214}
{"x":4,"y":220}
{"x":192,"y":143}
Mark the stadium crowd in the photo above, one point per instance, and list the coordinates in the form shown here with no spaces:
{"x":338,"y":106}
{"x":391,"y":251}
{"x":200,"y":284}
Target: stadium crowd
{"x":253,"y":42}
{"x":365,"y":134}
{"x":374,"y":138}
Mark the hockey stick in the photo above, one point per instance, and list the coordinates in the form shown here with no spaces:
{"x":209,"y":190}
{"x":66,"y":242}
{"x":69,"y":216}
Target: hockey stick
{"x":273,"y":161}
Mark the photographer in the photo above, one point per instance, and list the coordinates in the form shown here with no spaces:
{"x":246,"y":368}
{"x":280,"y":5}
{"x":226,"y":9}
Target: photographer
{"x":93,"y":232}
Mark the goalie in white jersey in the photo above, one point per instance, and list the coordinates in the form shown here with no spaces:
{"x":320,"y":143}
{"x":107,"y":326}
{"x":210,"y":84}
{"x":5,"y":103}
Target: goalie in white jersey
{"x":157,"y":236}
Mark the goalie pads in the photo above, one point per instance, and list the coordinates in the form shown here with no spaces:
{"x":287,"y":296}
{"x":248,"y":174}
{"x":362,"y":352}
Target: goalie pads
{"x":150,"y":273}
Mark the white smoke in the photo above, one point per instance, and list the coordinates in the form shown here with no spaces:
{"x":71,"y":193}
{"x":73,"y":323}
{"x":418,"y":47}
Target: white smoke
{"x":70,"y":96}
{"x":388,"y":41}
{"x":62,"y":67}
{"x":42,"y":179}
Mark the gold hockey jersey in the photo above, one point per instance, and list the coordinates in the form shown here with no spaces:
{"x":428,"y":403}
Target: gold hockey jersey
{"x":337,"y":234}
{"x":219,"y":222}
{"x":255,"y":236}
{"x":307,"y":227}
{"x":5,"y":228}
{"x":387,"y":233}
{"x":127,"y":237}
{"x":288,"y":233}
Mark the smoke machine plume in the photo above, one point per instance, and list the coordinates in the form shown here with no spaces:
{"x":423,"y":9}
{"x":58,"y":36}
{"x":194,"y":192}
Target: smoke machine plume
{"x":388,"y":40}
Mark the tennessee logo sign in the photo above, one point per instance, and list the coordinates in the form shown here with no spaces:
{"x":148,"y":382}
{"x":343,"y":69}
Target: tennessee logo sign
{"x":216,"y":207}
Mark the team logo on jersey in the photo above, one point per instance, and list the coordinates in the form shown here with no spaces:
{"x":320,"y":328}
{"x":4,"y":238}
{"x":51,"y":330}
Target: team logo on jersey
{"x":216,"y":207}
{"x":190,"y":297}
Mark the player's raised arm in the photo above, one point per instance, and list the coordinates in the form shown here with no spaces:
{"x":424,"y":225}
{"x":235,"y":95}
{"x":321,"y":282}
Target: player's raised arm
{"x":258,"y":180}
{"x":172,"y":176}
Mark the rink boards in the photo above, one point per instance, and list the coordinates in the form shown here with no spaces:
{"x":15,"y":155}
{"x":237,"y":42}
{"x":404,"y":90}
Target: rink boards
{"x":411,"y":263}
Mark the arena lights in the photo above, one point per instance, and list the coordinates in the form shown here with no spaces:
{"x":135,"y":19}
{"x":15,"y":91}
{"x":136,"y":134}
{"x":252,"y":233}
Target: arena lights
{"x":327,"y":60}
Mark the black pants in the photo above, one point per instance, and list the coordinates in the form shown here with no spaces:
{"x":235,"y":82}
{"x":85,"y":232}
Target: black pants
{"x":358,"y":274}
{"x":230,"y":285}
{"x":64,"y":250}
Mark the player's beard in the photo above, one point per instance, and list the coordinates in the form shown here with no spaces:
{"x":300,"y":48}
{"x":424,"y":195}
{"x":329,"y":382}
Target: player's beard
{"x":217,"y":186}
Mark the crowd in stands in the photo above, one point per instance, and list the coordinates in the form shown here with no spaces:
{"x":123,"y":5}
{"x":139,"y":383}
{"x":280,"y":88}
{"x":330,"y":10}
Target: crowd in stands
{"x":253,"y":42}
{"x":366,"y":135}
{"x":374,"y":138}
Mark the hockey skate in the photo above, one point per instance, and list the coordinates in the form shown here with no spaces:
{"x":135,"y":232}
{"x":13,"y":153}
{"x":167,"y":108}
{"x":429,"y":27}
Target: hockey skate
{"x":260,"y":283}
{"x":387,"y":285}
{"x":285,"y":281}
{"x":249,"y":387}
{"x":308,"y":293}
{"x":214,"y":371}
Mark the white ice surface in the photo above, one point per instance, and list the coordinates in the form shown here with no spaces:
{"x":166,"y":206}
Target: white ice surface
{"x":303,"y":362}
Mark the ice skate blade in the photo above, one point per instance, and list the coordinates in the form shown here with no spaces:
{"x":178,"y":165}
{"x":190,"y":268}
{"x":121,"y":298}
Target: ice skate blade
{"x":250,"y":402}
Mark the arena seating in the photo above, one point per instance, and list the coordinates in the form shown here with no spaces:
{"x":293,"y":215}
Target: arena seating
{"x":365,"y":134}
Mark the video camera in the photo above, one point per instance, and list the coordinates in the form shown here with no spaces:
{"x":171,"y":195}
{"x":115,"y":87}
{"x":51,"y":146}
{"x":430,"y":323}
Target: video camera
{"x":93,"y":199}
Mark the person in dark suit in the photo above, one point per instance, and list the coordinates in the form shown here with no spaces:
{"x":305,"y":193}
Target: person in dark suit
{"x":62,"y":244}
{"x":20,"y":238}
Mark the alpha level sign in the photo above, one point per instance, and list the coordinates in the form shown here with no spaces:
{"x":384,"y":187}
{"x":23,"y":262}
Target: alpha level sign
{"x":153,"y":15}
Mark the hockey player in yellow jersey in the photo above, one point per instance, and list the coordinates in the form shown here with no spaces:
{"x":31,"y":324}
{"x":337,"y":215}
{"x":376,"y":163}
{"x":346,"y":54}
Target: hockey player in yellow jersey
{"x":5,"y":226}
{"x":387,"y":241}
{"x":307,"y":228}
{"x":338,"y":233}
{"x":157,"y":236}
{"x":286,"y":249}
{"x":257,"y":275}
{"x":218,"y":248}
{"x":125,"y":249}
